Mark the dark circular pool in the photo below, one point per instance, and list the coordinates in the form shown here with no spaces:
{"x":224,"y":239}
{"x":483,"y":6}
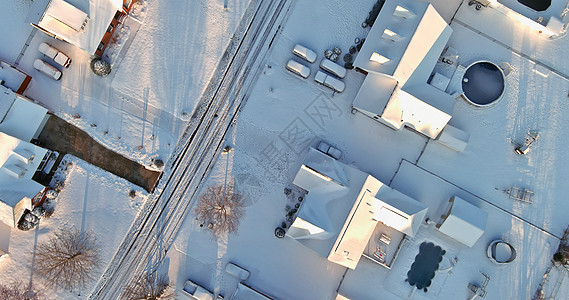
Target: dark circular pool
{"x":483,"y":83}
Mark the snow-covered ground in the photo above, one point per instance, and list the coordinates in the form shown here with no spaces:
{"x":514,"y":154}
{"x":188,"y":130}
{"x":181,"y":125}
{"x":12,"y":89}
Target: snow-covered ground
{"x":156,"y":85}
{"x":91,"y":200}
{"x":285,"y":114}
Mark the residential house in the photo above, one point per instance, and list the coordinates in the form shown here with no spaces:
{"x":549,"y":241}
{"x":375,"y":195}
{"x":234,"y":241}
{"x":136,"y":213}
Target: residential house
{"x":348,"y":213}
{"x":398,"y":57}
{"x":87,"y":24}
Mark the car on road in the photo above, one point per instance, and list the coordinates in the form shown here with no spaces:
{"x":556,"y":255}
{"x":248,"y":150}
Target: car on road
{"x":57,"y":56}
{"x":236,"y":271}
{"x":47,"y":69}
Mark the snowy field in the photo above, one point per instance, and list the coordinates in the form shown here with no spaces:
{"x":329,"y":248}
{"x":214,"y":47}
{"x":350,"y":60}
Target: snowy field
{"x":91,"y":200}
{"x":155,"y":83}
{"x":285,"y":114}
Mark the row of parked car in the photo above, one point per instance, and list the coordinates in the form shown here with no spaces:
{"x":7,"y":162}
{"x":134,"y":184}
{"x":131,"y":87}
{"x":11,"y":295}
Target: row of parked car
{"x":57,"y":56}
{"x":321,"y":77}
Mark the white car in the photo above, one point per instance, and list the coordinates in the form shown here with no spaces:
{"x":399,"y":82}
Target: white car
{"x":47,"y":69}
{"x":298,"y":68}
{"x":333,"y":68}
{"x":58,"y":56}
{"x":236,"y":271}
{"x":327,"y":149}
{"x":304,"y":53}
{"x":328,"y":80}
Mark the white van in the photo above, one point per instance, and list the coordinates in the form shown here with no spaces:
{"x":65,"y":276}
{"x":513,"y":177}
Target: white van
{"x":329,"y":81}
{"x":47,"y":69}
{"x":58,"y":56}
{"x":304,"y":53}
{"x":333,"y":68}
{"x":298,"y":68}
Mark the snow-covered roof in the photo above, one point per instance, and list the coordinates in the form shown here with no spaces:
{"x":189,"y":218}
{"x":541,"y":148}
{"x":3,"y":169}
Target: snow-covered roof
{"x":399,"y":55}
{"x":465,"y":222}
{"x":79,"y":22}
{"x":18,"y":162}
{"x":398,"y":210}
{"x":375,"y":92}
{"x":406,"y":109}
{"x":337,"y":220}
{"x":20,"y":117}
{"x":418,"y":33}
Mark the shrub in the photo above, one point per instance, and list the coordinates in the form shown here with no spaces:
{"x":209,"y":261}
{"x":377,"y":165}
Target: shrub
{"x":100,"y":67}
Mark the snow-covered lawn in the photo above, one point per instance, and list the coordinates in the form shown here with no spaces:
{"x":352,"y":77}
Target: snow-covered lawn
{"x":91,"y":200}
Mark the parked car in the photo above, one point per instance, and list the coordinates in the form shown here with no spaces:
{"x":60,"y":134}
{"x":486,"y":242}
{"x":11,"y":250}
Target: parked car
{"x":327,"y":149}
{"x":47,"y":69}
{"x":236,"y":271}
{"x":304,"y":53}
{"x":58,"y":56}
{"x":298,"y":68}
{"x":197,"y":292}
{"x":333,"y":68}
{"x":329,"y":81}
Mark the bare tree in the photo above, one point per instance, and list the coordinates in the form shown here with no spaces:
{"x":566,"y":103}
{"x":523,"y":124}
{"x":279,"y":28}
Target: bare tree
{"x":150,"y":287}
{"x":221,"y":208}
{"x":68,"y":259}
{"x":17,"y":290}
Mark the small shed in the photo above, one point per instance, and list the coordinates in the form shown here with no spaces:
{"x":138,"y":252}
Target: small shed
{"x":463,"y":221}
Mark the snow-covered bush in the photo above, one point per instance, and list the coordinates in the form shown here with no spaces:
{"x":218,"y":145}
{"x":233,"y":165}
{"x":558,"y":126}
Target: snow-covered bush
{"x":158,"y":163}
{"x":561,"y":257}
{"x":100,"y":67}
{"x":25,"y":225}
{"x":68,"y":259}
{"x":38,"y":211}
{"x":48,"y":207}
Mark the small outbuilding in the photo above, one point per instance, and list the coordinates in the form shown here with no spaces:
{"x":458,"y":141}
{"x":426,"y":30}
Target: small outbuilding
{"x":463,"y":221}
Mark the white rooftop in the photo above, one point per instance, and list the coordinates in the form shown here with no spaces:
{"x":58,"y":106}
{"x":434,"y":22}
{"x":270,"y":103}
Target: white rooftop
{"x":20,"y":117}
{"x":399,"y":211}
{"x":465,"y":223}
{"x":80,"y":22}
